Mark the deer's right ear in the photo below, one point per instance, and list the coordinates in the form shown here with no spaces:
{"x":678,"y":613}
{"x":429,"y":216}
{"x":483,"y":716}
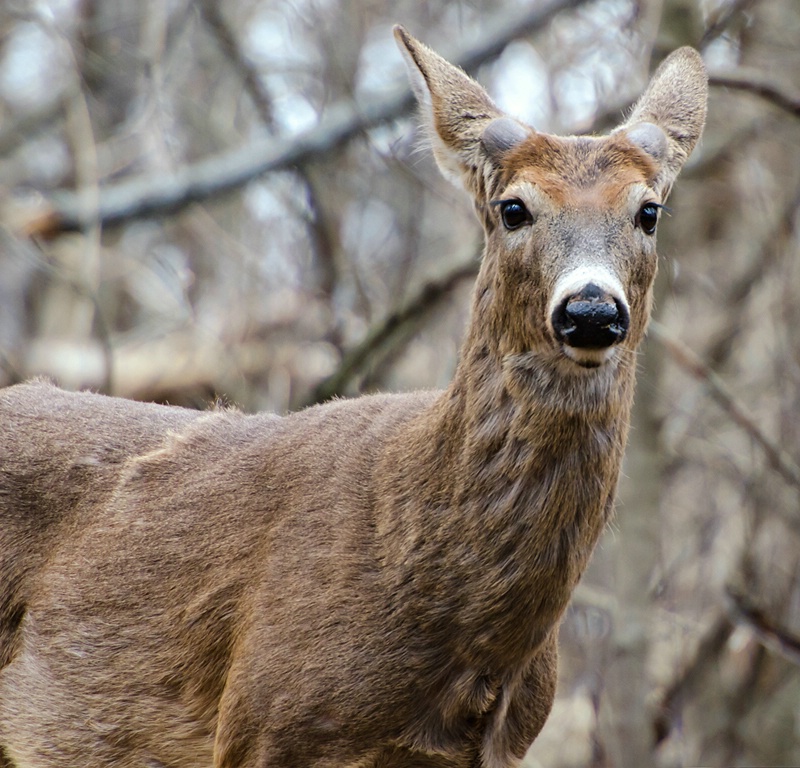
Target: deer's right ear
{"x":468,"y":132}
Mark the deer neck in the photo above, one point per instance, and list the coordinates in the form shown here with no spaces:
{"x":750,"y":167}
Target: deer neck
{"x":519,"y":462}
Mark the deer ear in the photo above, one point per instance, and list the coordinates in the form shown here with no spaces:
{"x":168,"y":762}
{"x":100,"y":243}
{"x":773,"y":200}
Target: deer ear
{"x":469,"y":133}
{"x":668,"y":119}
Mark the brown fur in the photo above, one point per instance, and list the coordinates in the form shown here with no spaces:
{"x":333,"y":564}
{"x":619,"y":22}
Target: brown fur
{"x":374,"y":582}
{"x":570,"y":171}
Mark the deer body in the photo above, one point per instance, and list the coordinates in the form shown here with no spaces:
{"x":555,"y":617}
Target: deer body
{"x":375,"y":582}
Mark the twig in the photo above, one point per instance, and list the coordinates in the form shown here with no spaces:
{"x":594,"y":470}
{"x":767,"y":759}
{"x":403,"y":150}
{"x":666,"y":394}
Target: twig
{"x":508,"y":27}
{"x":720,"y":20}
{"x":379,"y":335}
{"x":769,"y":633}
{"x":768,"y":251}
{"x":692,"y":364}
{"x":226,"y":39}
{"x":760,"y":84}
{"x":146,"y":196}
{"x":708,"y":649}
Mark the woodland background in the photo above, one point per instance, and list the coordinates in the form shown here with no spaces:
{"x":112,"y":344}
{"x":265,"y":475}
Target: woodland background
{"x":202,"y":199}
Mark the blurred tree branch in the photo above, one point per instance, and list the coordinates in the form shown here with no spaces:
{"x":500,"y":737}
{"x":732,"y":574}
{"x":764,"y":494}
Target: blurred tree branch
{"x":227,"y":40}
{"x":758,"y":83}
{"x":771,"y":635}
{"x":780,"y":461}
{"x":428,"y":296}
{"x":185,"y":359}
{"x":145,"y":196}
{"x":724,"y":17}
{"x":688,"y":681}
{"x":764,"y":257}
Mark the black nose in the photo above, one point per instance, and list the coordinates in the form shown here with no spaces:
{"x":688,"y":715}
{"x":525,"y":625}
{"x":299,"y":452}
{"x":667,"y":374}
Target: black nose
{"x":591,"y":319}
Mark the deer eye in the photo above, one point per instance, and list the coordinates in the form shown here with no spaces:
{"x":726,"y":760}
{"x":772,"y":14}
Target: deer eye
{"x":514,"y":214}
{"x":647,"y":218}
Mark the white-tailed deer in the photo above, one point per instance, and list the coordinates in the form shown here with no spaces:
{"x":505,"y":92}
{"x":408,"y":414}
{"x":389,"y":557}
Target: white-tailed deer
{"x":374,"y":582}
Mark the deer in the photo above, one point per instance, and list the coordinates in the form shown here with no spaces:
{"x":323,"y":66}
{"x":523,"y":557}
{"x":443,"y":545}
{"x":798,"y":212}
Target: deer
{"x":374,"y":582}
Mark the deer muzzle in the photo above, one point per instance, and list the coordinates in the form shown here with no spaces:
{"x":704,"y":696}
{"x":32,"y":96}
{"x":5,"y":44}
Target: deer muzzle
{"x":589,"y":315}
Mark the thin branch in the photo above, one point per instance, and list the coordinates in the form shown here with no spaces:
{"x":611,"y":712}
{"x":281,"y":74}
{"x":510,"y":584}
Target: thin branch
{"x":226,"y":39}
{"x":159,"y":195}
{"x":508,"y":27}
{"x":380,"y":334}
{"x":689,"y":680}
{"x":769,"y":633}
{"x":768,"y":252}
{"x":741,"y":699}
{"x":761,"y":84}
{"x":724,"y":16}
{"x":692,"y":364}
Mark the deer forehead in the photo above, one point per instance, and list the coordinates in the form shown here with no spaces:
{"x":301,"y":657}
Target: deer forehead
{"x":607,"y":173}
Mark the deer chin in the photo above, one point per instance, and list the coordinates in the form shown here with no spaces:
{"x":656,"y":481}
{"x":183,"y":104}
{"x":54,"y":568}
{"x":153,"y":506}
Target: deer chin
{"x":589,"y":358}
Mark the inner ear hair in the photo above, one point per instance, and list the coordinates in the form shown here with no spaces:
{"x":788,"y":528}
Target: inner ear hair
{"x":650,"y":138}
{"x":501,"y":135}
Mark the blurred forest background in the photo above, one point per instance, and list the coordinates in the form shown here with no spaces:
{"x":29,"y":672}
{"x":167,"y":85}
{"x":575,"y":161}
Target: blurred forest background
{"x":202,"y":199}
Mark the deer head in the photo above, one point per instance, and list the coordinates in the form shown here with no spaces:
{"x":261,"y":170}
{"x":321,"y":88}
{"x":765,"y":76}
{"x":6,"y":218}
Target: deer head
{"x":570,"y":222}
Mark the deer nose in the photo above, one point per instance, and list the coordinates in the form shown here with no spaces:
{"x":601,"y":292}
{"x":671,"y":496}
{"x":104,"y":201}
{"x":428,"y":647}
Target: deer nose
{"x":591,"y":318}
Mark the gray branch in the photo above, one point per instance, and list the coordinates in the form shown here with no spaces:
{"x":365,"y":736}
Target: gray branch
{"x":158,"y":195}
{"x":760,"y":84}
{"x":428,"y":296}
{"x":777,"y":457}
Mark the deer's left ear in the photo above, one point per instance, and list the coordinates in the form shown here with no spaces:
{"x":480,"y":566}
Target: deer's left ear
{"x":469,"y":133}
{"x":668,"y":119}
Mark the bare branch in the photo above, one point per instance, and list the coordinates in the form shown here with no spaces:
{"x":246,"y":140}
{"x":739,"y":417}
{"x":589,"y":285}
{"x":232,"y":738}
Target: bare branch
{"x":767,"y":253}
{"x":760,"y":84}
{"x":228,"y":43}
{"x":692,"y":676}
{"x":692,"y":364}
{"x":721,"y":19}
{"x":769,"y":633}
{"x":380,"y":334}
{"x":147,"y":196}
